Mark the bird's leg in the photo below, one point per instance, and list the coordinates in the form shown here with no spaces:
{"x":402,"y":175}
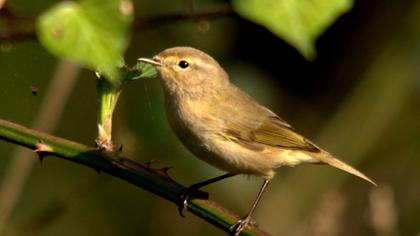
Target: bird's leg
{"x":187,"y":193}
{"x":240,"y":225}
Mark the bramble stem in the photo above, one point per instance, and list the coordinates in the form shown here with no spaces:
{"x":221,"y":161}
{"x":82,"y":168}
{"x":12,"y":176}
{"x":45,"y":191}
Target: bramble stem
{"x":108,"y":94}
{"x":155,"y":181}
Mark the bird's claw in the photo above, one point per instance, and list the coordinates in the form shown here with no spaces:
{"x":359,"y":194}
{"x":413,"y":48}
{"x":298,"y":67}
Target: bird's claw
{"x":183,"y":202}
{"x":240,"y":225}
{"x":185,"y":197}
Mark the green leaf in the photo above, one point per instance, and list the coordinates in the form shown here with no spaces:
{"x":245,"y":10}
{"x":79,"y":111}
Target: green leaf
{"x":94,"y":33}
{"x":299,"y":22}
{"x":140,"y":71}
{"x":147,"y":71}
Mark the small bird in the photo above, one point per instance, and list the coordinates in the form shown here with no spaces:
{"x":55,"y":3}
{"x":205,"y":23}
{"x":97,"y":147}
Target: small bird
{"x":227,"y":128}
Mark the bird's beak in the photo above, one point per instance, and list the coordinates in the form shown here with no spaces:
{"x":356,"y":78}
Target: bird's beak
{"x":155,"y":61}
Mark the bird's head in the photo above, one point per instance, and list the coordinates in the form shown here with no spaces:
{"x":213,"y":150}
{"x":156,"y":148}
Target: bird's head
{"x":188,"y":70}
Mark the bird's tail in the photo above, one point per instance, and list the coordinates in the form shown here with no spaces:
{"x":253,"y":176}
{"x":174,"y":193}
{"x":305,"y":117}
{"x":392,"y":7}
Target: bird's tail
{"x":327,"y":158}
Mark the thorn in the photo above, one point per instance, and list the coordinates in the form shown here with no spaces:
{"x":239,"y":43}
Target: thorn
{"x":42,"y":148}
{"x":148,"y":164}
{"x":164,"y":171}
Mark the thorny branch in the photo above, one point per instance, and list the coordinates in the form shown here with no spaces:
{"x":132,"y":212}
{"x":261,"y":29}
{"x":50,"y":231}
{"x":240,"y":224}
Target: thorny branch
{"x":142,"y":175}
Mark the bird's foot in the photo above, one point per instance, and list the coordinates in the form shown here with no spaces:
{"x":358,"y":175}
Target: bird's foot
{"x":186,"y":195}
{"x":240,"y":225}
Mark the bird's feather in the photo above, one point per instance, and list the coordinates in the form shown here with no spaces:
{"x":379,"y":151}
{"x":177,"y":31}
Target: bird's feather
{"x":271,"y":132}
{"x":266,"y":128}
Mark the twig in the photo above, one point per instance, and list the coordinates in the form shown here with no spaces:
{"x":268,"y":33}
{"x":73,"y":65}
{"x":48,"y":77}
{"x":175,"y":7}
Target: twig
{"x":155,"y":181}
{"x":16,"y":27}
{"x":18,"y":36}
{"x":140,"y":24}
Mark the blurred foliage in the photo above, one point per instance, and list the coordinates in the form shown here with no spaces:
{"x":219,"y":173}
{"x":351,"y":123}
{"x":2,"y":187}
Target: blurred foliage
{"x":299,"y":22}
{"x":93,"y":33}
{"x":358,"y":99}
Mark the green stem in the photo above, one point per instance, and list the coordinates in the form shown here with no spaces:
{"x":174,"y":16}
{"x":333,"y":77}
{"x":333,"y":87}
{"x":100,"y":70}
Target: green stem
{"x":108,"y":94}
{"x":155,"y":181}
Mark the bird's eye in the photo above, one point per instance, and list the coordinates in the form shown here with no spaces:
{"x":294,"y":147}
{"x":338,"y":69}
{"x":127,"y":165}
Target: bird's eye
{"x":183,"y":64}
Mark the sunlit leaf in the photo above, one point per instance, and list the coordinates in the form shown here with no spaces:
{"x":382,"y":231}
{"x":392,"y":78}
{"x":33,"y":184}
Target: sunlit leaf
{"x":93,"y":33}
{"x":299,"y":22}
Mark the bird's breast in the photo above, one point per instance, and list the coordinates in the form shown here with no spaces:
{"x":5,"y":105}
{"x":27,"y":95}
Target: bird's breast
{"x":201,"y":129}
{"x":191,"y":122}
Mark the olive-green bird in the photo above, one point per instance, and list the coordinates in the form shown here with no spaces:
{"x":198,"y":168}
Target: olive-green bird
{"x":227,"y":128}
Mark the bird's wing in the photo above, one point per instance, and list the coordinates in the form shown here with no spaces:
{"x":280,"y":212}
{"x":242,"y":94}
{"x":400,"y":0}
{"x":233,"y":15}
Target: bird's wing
{"x":271,"y":131}
{"x":254,"y":126}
